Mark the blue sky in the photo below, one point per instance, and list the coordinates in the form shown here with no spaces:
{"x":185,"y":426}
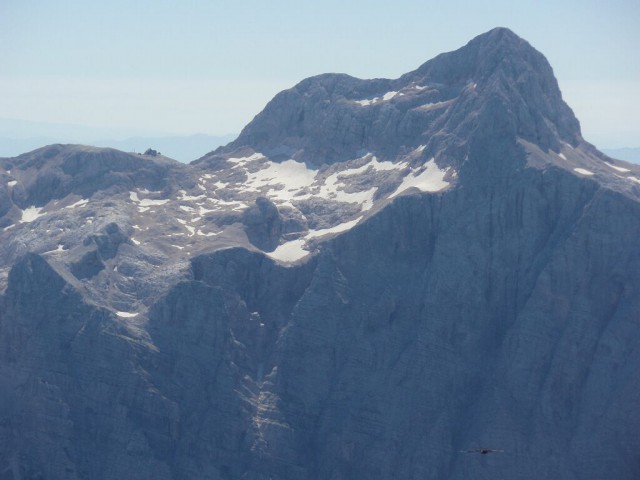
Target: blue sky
{"x":210,"y":66}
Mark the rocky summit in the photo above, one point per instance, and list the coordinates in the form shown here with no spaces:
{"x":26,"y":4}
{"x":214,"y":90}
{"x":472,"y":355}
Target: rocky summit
{"x":429,"y":277}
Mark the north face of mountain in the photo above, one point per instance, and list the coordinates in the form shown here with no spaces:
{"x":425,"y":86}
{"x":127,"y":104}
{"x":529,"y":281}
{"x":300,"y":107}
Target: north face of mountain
{"x":376,"y":277}
{"x":497,"y":80}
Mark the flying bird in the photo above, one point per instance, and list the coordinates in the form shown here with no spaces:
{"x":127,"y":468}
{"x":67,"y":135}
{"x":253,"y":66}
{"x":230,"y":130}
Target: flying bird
{"x":482,"y":451}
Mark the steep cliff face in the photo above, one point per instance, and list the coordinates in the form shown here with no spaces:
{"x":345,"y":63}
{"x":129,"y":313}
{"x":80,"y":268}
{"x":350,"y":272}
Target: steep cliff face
{"x":473,"y":281}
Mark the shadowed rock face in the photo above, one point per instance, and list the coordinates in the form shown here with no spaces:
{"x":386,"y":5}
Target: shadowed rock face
{"x":263,"y":224}
{"x":500,"y":312}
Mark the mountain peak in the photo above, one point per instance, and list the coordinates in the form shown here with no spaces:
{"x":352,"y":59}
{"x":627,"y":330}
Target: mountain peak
{"x":499,"y":34}
{"x":334,"y":117}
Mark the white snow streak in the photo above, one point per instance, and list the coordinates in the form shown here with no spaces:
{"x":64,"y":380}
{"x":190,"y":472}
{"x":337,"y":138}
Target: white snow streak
{"x":343,"y":227}
{"x":79,"y":203}
{"x":582,"y":171}
{"x":294,"y":250}
{"x":243,"y":160}
{"x":620,"y":169}
{"x":367,"y":102}
{"x":189,"y":198}
{"x":433,"y":106}
{"x":146,"y":202}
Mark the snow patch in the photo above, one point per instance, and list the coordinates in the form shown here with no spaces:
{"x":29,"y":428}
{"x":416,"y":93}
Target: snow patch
{"x":294,"y":250}
{"x":126,"y":314}
{"x":12,"y":183}
{"x":79,"y":203}
{"x":204,"y":211}
{"x":289,"y":178}
{"x":561,"y":155}
{"x":30,"y":214}
{"x":146,"y":202}
{"x":60,"y":248}
{"x":293,"y":175}
{"x":430,"y":179}
{"x":373,"y":163}
{"x":208,"y":234}
{"x":434,"y":106}
{"x":620,"y":169}
{"x":582,"y":171}
{"x":237,"y":205}
{"x":367,"y":102}
{"x":331,"y":189}
{"x":389,"y":96}
{"x":289,"y":252}
{"x":243,"y":160}
{"x":343,"y":227}
{"x":188,"y":198}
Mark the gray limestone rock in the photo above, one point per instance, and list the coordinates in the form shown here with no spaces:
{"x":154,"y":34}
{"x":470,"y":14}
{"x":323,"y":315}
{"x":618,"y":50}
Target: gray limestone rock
{"x":371,"y":313}
{"x":263,"y":224}
{"x":447,"y":102}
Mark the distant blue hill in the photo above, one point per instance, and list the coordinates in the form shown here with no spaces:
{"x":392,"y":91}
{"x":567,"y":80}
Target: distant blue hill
{"x":627,"y":154}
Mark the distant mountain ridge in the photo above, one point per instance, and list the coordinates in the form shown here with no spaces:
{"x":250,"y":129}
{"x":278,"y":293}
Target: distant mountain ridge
{"x":374,"y":279}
